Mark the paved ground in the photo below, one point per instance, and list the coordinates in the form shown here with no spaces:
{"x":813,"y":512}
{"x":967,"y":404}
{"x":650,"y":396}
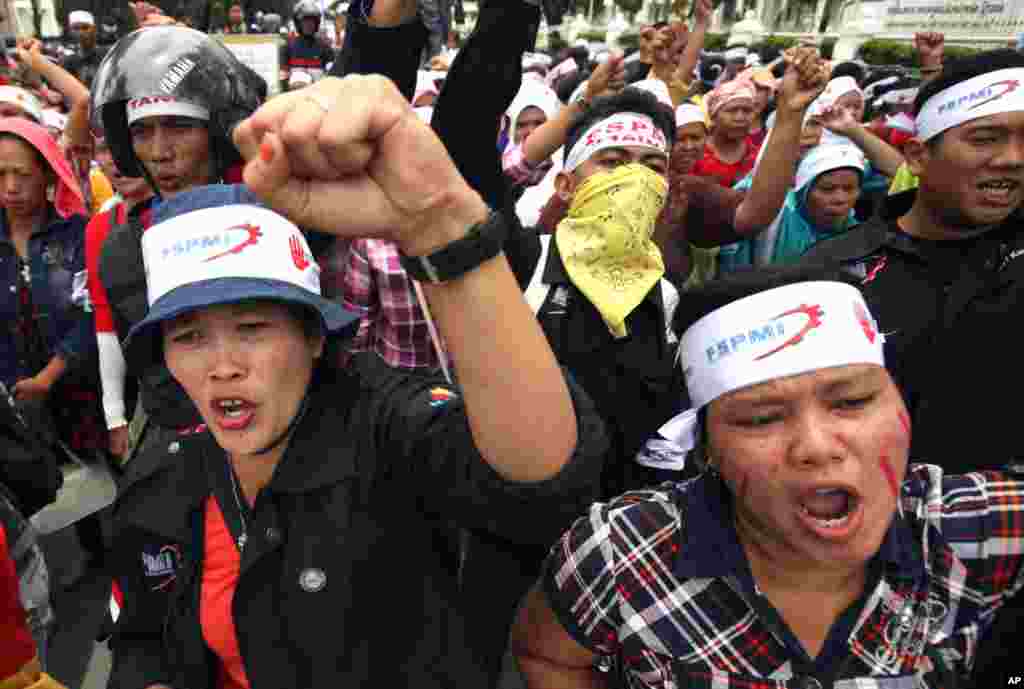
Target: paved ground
{"x":99,"y":667}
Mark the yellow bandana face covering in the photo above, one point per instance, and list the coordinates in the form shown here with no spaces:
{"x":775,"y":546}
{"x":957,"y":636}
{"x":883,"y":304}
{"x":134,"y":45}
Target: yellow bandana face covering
{"x":605,"y":241}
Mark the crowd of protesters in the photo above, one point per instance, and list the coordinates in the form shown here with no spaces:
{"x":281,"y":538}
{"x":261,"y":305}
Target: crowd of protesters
{"x":669,"y":369}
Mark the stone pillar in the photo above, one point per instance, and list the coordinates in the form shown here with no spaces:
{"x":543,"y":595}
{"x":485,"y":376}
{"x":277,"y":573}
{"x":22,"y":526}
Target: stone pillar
{"x":616,"y":27}
{"x":748,"y":32}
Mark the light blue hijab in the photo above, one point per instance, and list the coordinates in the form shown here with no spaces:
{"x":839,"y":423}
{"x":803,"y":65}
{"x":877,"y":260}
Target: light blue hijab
{"x":792,"y":233}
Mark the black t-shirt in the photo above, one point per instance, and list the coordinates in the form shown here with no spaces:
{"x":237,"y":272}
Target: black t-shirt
{"x":949,"y":311}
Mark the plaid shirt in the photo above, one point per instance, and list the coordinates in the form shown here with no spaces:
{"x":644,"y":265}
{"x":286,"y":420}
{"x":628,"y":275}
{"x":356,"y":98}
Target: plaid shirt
{"x":518,"y":169}
{"x":659,"y":579}
{"x":392,"y":325}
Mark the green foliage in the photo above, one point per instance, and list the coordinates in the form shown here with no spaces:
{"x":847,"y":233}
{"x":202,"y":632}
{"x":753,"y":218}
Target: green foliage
{"x":827,"y":47}
{"x":779,"y":43}
{"x":715,"y":42}
{"x":887,"y":52}
{"x":630,"y":42}
{"x":556,"y":43}
{"x":595,"y":36}
{"x":630,"y":7}
{"x":955,"y":52}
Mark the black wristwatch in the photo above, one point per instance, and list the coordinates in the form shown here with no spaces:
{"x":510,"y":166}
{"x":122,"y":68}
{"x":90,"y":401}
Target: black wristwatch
{"x":483,"y":242}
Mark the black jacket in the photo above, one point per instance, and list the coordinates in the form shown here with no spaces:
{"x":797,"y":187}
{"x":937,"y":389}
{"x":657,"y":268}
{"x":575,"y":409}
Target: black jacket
{"x":633,"y":381}
{"x":374,"y":469}
{"x":950,"y":312}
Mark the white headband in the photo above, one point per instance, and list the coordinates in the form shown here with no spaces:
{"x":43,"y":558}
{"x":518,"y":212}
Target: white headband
{"x":621,"y":129}
{"x":52,"y":118}
{"x":837,"y":88}
{"x":300,"y":78}
{"x":152,"y":106}
{"x":777,"y":333}
{"x":826,"y":157}
{"x":81,"y":17}
{"x":989,"y":94}
{"x":24,"y":100}
{"x":688,"y":113}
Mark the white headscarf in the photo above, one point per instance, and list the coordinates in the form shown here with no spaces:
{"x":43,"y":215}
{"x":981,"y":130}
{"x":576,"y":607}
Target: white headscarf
{"x":24,"y":100}
{"x":534,"y":94}
{"x":656,"y":87}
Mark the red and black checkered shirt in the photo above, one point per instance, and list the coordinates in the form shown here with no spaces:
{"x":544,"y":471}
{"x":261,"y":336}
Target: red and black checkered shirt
{"x":392,"y":325}
{"x":659,"y":579}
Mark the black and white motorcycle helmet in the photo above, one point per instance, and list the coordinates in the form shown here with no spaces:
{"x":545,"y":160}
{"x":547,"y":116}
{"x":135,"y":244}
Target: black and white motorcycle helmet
{"x":306,"y":9}
{"x":179,"y":63}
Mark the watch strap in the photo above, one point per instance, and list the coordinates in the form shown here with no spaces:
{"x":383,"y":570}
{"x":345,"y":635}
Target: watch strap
{"x":482,"y":242}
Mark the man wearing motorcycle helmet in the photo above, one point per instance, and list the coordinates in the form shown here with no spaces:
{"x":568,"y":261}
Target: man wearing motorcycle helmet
{"x":306,"y":51}
{"x":167,"y":99}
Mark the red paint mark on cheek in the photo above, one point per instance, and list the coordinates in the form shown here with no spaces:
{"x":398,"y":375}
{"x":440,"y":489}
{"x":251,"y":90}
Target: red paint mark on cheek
{"x":890,"y":474}
{"x":905,"y":422}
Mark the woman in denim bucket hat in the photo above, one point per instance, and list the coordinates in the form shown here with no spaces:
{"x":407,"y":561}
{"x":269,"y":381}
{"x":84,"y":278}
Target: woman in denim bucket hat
{"x":314,"y":498}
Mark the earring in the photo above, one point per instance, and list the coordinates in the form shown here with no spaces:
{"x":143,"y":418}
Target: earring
{"x":51,"y":192}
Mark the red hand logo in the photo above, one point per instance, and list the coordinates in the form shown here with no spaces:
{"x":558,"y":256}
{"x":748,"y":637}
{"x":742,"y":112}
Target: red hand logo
{"x":298,"y":253}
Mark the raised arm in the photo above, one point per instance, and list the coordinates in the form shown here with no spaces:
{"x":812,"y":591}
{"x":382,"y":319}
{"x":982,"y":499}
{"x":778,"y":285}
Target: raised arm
{"x":885,"y":157}
{"x":30,"y":54}
{"x":694,"y":44}
{"x":774,"y":175}
{"x":487,"y":72}
{"x":610,"y":75}
{"x":387,"y":40}
{"x":372,"y":168}
{"x":930,"y":46}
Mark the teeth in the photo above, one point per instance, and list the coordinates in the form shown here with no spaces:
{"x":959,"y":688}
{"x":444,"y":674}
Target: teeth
{"x":232,"y":408}
{"x":1003,"y":184}
{"x":829,"y":523}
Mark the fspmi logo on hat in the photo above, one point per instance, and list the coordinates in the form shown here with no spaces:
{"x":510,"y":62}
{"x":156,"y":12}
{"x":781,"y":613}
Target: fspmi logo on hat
{"x":236,"y":241}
